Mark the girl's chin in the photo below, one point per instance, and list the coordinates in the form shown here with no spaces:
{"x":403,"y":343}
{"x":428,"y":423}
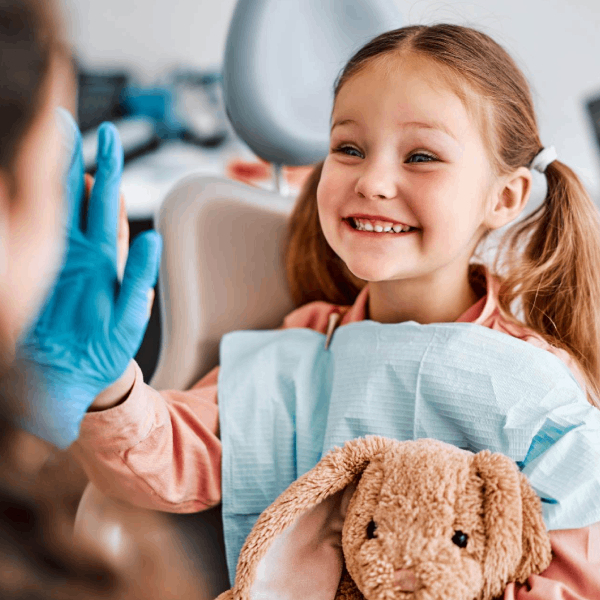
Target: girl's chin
{"x":373,"y":275}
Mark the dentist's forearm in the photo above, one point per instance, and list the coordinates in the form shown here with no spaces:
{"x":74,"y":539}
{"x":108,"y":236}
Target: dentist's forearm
{"x":117,"y":392}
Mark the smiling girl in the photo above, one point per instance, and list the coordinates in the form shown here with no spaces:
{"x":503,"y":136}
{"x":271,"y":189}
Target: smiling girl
{"x":433,"y":139}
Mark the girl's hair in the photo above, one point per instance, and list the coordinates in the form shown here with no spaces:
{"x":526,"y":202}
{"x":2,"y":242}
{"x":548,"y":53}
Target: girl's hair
{"x":314,"y":270}
{"x":548,"y":262}
{"x":29,"y":39}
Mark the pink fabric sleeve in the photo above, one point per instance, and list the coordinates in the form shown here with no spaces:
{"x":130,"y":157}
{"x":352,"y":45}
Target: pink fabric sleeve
{"x":161,"y":450}
{"x":573,"y":574}
{"x":157,"y":450}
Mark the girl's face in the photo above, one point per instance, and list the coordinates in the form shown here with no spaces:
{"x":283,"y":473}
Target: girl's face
{"x":406,"y":185}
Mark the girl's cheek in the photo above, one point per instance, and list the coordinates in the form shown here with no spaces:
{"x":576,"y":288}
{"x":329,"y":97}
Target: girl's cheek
{"x":325,"y":188}
{"x":336,"y":181}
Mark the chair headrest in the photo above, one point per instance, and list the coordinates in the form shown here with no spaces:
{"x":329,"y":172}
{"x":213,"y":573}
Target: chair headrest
{"x":281,"y":61}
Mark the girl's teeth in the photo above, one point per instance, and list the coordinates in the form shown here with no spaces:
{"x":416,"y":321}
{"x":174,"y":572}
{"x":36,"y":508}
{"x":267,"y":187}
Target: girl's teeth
{"x":367,"y":226}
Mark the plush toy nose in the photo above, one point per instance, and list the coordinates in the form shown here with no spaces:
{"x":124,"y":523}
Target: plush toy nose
{"x":405,"y":580}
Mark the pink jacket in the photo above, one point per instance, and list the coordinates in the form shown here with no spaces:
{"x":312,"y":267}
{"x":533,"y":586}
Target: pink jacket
{"x":161,"y":450}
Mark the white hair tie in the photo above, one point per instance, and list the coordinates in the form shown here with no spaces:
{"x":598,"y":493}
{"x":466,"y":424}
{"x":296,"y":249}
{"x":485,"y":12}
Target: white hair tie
{"x":543,"y":158}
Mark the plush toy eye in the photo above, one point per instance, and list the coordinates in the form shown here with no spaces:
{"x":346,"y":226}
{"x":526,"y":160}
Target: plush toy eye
{"x":371,"y":527}
{"x":460,"y":539}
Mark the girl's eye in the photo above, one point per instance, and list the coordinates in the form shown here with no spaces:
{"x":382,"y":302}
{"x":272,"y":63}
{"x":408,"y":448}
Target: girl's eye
{"x":348,"y":151}
{"x":420,"y":157}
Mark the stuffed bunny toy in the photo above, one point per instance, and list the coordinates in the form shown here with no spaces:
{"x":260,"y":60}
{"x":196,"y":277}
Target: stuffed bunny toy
{"x":380,"y":519}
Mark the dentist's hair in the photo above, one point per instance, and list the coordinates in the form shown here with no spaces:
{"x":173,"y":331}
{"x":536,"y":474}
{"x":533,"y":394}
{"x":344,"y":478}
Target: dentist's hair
{"x":549,"y":262}
{"x":37,"y":555}
{"x":30,"y":37}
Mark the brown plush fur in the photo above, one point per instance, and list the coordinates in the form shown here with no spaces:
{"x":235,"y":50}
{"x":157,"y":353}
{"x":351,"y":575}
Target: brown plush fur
{"x":419,"y":494}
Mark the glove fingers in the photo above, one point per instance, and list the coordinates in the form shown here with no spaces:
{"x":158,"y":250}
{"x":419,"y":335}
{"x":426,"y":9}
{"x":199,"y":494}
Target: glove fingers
{"x":103,"y":211}
{"x":141,"y":271}
{"x":74,"y":168}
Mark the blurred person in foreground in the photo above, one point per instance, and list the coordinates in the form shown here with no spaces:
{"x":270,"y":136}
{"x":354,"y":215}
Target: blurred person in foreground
{"x":38,"y":557}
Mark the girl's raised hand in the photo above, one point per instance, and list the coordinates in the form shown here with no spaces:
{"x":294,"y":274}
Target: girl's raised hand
{"x":92,"y":324}
{"x":122,"y":227}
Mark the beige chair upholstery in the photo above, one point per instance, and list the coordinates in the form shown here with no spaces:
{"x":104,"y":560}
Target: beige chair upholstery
{"x":221,"y":270}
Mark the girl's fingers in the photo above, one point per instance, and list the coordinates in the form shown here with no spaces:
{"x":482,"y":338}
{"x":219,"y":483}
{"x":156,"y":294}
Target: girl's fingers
{"x":141,"y":272}
{"x":151,"y":296}
{"x":122,"y":229}
{"x":122,"y":238}
{"x":103,"y":210}
{"x":89,"y":184}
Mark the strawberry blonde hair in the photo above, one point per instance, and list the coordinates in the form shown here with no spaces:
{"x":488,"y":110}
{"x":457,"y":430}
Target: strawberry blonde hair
{"x":548,"y":264}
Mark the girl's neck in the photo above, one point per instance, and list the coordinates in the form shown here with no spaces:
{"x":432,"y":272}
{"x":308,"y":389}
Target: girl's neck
{"x":438,"y":298}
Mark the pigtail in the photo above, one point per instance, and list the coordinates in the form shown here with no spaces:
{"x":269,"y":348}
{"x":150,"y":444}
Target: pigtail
{"x":314,"y":271}
{"x":551,"y":266}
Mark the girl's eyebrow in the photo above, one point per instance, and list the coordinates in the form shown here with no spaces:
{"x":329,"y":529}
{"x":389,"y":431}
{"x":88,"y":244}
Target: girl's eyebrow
{"x":433,"y":125}
{"x":421,"y":125}
{"x":342,"y":122}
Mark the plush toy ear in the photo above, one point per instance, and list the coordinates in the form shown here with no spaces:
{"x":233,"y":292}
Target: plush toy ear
{"x":518,"y":544}
{"x":503,"y":520}
{"x":537,"y":551}
{"x":294,"y":550}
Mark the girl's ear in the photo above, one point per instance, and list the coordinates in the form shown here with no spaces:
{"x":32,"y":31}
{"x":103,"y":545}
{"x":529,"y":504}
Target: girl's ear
{"x":294,"y":550}
{"x":509,"y":198}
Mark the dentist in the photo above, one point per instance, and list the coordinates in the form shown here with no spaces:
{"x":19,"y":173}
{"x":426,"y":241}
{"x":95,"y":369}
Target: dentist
{"x":69,"y":325}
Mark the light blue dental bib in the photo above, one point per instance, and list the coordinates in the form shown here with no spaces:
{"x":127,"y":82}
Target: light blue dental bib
{"x":285,"y":400}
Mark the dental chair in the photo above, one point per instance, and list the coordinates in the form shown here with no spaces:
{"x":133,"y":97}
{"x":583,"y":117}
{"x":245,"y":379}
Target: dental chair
{"x":222,"y":264}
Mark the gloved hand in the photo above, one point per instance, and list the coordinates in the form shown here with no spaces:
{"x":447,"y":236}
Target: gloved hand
{"x":91,"y":325}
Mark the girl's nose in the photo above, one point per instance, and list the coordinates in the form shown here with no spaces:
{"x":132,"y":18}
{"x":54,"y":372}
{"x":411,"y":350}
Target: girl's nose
{"x":377,"y":182}
{"x":405,"y":580}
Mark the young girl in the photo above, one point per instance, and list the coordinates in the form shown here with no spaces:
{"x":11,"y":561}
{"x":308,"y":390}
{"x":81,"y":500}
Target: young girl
{"x":433,"y":140}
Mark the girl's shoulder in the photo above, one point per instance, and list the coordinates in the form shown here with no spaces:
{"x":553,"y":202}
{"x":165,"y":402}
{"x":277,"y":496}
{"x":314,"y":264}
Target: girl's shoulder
{"x":492,"y":317}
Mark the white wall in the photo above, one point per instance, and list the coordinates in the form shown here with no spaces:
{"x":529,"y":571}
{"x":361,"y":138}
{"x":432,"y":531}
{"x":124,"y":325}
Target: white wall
{"x":556,"y":42}
{"x":149,"y":35}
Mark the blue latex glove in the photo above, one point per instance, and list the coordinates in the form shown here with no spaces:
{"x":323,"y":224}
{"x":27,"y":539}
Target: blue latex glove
{"x":91,"y":325}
